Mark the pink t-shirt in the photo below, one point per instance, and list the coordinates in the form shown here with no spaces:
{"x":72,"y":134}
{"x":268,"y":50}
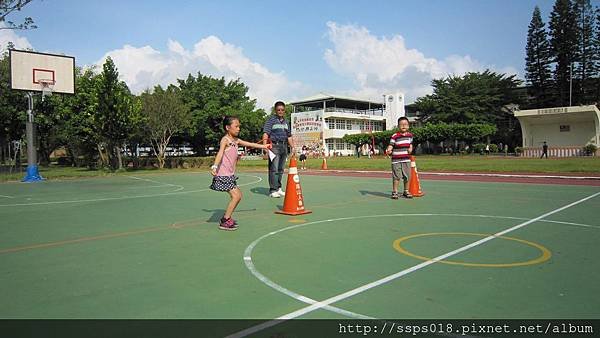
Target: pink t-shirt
{"x":229,"y":160}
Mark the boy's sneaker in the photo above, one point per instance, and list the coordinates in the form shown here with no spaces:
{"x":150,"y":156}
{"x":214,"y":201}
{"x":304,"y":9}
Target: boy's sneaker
{"x":227,"y":224}
{"x":407,"y":195}
{"x":394,"y":195}
{"x":274,"y":194}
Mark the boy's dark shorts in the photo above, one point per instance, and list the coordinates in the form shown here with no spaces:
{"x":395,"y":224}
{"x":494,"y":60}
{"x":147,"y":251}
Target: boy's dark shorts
{"x":401,"y":171}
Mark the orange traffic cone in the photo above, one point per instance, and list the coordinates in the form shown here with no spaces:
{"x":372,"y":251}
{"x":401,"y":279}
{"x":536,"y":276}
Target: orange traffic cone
{"x":324,"y":164}
{"x":293,"y":204}
{"x":414,"y":186}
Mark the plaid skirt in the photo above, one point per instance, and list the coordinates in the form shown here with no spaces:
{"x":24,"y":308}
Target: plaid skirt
{"x":224,"y":183}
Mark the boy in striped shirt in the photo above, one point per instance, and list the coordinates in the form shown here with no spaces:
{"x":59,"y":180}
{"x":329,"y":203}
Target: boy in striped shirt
{"x":400,"y":149}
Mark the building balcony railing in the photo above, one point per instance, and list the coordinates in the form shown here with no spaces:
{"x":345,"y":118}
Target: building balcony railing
{"x":372,"y":112}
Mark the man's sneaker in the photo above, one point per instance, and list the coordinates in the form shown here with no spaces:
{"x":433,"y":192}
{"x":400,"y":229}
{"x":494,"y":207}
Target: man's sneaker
{"x":275,"y":194}
{"x":281,"y":192}
{"x":394,"y":195}
{"x":407,"y":195}
{"x":227,"y":224}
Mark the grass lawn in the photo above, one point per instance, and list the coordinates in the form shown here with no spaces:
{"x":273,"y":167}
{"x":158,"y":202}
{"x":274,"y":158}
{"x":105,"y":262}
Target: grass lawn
{"x":472,"y":163}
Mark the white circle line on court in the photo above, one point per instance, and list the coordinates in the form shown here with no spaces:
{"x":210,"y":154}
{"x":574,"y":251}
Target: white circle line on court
{"x":179,"y":187}
{"x":381,"y":281}
{"x":126,"y":197}
{"x":252,"y":268}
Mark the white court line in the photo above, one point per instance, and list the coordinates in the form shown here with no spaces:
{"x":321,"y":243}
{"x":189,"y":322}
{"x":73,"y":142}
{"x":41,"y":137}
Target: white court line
{"x":6,"y":196}
{"x":179,"y":187}
{"x":513,"y":175}
{"x":125,"y":197}
{"x":353,"y":292}
{"x":250,"y":264}
{"x":472,"y":174}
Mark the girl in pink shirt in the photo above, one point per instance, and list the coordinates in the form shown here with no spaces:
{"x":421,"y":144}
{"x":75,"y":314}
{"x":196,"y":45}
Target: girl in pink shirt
{"x":223,"y":169}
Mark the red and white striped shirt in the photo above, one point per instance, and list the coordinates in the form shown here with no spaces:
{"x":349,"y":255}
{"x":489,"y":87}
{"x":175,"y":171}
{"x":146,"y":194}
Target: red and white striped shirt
{"x":400,"y":143}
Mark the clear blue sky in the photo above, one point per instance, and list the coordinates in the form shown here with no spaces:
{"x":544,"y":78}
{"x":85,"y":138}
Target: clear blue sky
{"x":280,"y":49}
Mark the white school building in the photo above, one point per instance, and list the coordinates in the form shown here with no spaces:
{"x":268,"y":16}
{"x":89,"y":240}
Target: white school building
{"x":566,"y":130}
{"x":320,"y":121}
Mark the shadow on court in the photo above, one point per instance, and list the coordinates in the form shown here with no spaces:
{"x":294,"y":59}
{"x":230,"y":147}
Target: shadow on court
{"x":374,"y":193}
{"x":218,"y":213}
{"x":260,"y":191}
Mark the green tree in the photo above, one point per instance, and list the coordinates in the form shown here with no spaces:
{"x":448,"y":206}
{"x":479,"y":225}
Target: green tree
{"x":114,"y":115}
{"x":430,"y":132}
{"x":537,"y":61}
{"x":475,"y":98}
{"x":472,"y":98}
{"x":586,"y":69}
{"x":13,"y":105}
{"x":211,"y":99}
{"x":165,"y":115}
{"x":48,"y":127}
{"x":358,"y":140}
{"x":596,"y":42}
{"x":563,"y":40}
{"x":9,"y":6}
{"x":77,"y":123}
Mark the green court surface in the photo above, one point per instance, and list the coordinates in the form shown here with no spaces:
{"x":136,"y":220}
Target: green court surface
{"x":148,"y":247}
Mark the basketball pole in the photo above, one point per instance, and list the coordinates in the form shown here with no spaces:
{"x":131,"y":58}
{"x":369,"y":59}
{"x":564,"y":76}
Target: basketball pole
{"x":32,"y":174}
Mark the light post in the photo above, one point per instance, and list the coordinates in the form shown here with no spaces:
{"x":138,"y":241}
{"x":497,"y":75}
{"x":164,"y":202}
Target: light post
{"x":570,"y":84}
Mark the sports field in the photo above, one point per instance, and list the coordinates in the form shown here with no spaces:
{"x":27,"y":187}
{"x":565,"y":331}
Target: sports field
{"x":148,"y":246}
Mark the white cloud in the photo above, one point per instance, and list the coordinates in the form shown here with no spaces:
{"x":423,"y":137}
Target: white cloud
{"x":380,"y":65}
{"x":145,"y":67}
{"x":9,"y":35}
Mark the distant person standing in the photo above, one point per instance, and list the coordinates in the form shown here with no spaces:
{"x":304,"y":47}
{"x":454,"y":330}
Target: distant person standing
{"x":544,"y":150}
{"x":277,"y":130}
{"x":303,"y":154}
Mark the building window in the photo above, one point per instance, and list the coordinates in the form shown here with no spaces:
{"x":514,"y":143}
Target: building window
{"x":330,"y":123}
{"x":329,"y":144}
{"x":340,"y":124}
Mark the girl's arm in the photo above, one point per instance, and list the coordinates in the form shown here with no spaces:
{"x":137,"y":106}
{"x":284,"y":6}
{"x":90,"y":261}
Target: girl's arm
{"x":254,"y":145}
{"x":219,"y":157}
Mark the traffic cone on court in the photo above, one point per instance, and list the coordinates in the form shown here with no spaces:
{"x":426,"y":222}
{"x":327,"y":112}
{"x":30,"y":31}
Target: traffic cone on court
{"x":324,"y":164}
{"x":414,"y":186}
{"x":293,"y":204}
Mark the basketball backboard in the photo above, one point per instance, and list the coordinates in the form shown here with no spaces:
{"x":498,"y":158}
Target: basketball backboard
{"x":34,"y":72}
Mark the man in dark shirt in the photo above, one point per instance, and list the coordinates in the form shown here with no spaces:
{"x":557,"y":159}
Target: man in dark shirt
{"x":544,"y":150}
{"x":277,"y":130}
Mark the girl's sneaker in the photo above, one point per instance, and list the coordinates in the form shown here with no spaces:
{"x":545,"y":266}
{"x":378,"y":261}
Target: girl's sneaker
{"x":227,"y":224}
{"x":234,"y":221}
{"x":407,"y":195}
{"x":394,"y":195}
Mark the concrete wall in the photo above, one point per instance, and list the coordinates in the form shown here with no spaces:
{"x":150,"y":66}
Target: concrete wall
{"x":580,"y":133}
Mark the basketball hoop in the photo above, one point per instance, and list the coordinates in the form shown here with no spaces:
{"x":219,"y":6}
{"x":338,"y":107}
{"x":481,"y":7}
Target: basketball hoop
{"x":47,"y":86}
